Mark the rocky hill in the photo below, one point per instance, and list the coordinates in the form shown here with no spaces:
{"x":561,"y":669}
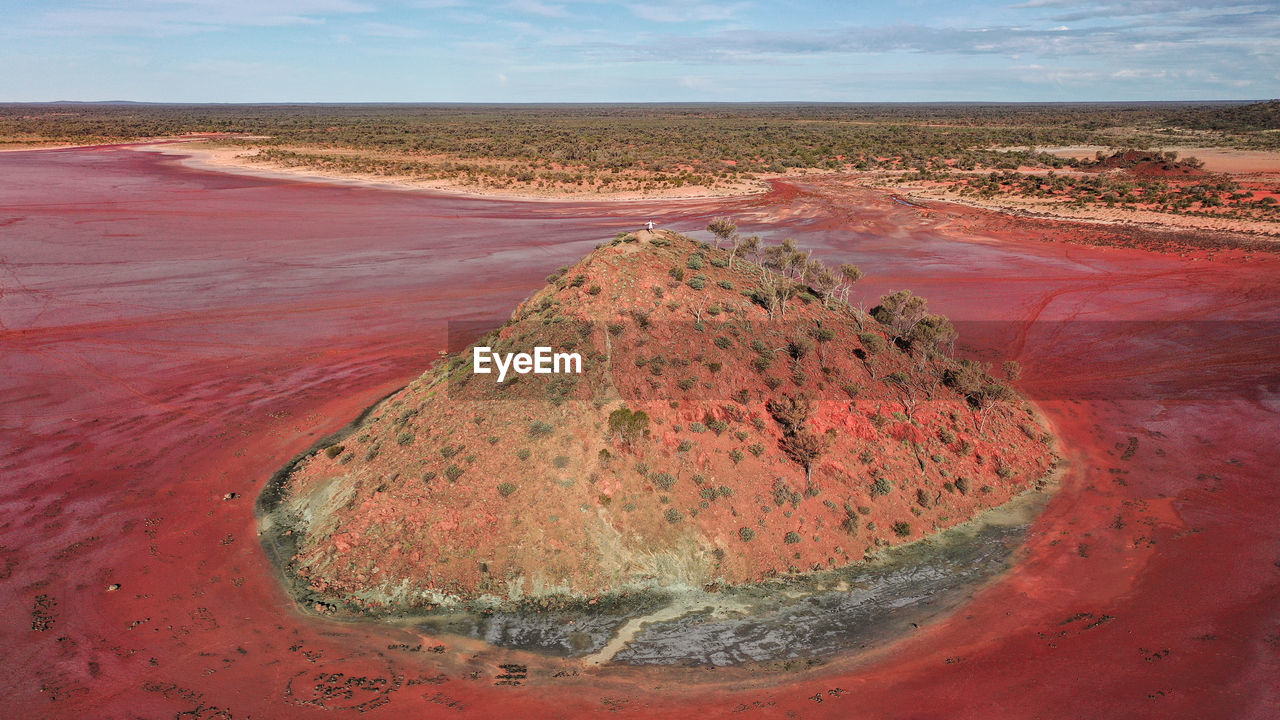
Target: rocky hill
{"x":735,"y":418}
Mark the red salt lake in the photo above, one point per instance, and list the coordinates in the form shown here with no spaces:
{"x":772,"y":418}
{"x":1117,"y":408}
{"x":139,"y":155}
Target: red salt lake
{"x":169,"y":337}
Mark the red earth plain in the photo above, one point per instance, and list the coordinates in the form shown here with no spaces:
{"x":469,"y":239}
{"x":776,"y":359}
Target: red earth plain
{"x":171,"y":337}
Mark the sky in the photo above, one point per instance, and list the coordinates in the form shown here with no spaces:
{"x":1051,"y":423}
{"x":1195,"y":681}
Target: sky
{"x":654,"y":51}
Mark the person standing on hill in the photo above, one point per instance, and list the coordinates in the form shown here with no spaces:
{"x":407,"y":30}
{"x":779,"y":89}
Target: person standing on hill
{"x":649,"y":226}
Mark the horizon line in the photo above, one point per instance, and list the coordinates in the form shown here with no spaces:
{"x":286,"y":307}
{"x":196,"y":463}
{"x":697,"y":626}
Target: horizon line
{"x":638,"y":102}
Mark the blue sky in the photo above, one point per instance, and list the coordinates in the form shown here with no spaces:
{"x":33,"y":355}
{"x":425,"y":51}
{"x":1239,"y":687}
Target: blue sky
{"x":661,"y":50}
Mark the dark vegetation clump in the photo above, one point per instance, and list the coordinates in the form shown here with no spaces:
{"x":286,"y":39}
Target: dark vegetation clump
{"x":665,"y":481}
{"x":881,"y":487}
{"x":802,"y":446}
{"x":628,"y":426}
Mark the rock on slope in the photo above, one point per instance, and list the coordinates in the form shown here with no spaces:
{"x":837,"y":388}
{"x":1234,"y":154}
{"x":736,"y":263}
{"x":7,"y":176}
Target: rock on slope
{"x":715,"y":435}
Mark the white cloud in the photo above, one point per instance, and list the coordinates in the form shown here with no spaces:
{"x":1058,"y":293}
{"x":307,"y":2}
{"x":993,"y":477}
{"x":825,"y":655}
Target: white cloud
{"x":685,"y":12}
{"x":387,"y":30}
{"x":701,"y":83}
{"x":179,"y":17}
{"x":228,"y":68}
{"x":537,"y":7}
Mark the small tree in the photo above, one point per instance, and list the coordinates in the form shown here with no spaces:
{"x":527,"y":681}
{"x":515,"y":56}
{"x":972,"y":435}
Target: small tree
{"x":790,"y":412}
{"x":831,"y":284}
{"x":744,"y":246}
{"x":826,"y":283}
{"x":757,"y":250}
{"x":812,"y":268}
{"x":776,"y":285}
{"x":823,"y":335}
{"x":988,"y":396}
{"x":900,"y":312}
{"x":933,"y":334}
{"x":798,"y":264}
{"x":805,"y":448}
{"x":908,"y":392}
{"x":627,"y":426}
{"x":723,"y":229}
{"x":872,"y":345}
{"x":767,"y":295}
{"x":781,"y":261}
{"x":798,"y":347}
{"x":966,"y":377}
{"x":1012,"y":370}
{"x":849,"y":274}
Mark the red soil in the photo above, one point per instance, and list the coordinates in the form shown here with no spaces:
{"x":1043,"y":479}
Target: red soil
{"x":172,"y":336}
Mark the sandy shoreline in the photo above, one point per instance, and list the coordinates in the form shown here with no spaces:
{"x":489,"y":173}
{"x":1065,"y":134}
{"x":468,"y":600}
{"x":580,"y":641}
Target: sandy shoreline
{"x":28,"y":148}
{"x":32,"y":145}
{"x":1099,"y":216}
{"x":239,"y":161}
